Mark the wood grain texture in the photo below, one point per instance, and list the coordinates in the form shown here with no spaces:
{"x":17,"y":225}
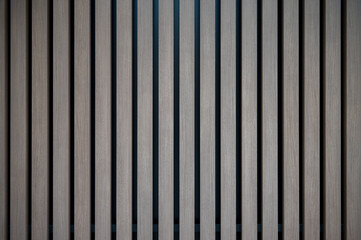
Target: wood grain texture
{"x":82,"y":132}
{"x":61,"y":119}
{"x":249,"y":119}
{"x":353,"y":119}
{"x":40,"y":121}
{"x":291,"y":149}
{"x":4,"y":125}
{"x":207,"y":120}
{"x":102,"y":119}
{"x":332,"y":124}
{"x":311,"y":120}
{"x":145,"y":121}
{"x":228,"y":119}
{"x":186,"y":120}
{"x":124,"y":120}
{"x":166,"y":122}
{"x":269,"y":120}
{"x":19,"y":127}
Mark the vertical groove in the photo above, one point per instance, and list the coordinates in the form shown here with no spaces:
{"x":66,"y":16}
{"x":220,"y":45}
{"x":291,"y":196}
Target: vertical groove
{"x":301,"y":118}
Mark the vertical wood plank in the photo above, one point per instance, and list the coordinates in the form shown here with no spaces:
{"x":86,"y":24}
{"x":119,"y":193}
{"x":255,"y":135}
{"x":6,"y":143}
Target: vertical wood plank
{"x":311,"y":119}
{"x":102,"y":119}
{"x":4,"y":33}
{"x":332,"y":125}
{"x":291,"y":202}
{"x":166,"y":122}
{"x":19,"y":70}
{"x":353,"y":119}
{"x":207,"y":119}
{"x":61,"y":119}
{"x":40,"y":121}
{"x":269,"y":119}
{"x":124,"y":119}
{"x":228,"y":119}
{"x":186,"y":120}
{"x":82,"y":142}
{"x":145,"y":120}
{"x":249,"y":119}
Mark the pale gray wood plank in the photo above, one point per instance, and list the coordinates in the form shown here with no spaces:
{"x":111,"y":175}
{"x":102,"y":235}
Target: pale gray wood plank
{"x":145,"y":120}
{"x":332,"y":94}
{"x":4,"y":33}
{"x":228,"y":119}
{"x":40,"y":122}
{"x":269,"y":119}
{"x":186,"y":120}
{"x":19,"y":148}
{"x":166,"y":122}
{"x":207,"y":120}
{"x":311,"y":120}
{"x":353,"y":120}
{"x":82,"y":142}
{"x":291,"y":202}
{"x":61,"y":119}
{"x":249,"y":119}
{"x":124,"y":119}
{"x":102,"y":119}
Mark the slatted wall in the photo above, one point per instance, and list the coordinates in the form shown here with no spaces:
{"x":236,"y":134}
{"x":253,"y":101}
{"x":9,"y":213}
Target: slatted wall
{"x":180,"y":119}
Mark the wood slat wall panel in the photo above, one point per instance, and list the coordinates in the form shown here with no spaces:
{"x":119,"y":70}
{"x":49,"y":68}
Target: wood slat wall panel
{"x":186,"y":119}
{"x":124,"y":120}
{"x":19,"y":127}
{"x":270,"y":119}
{"x":61,"y":120}
{"x":311,"y":119}
{"x":166,"y":122}
{"x":82,"y":121}
{"x":145,"y":120}
{"x":4,"y":153}
{"x":103,"y":119}
{"x":353,"y":119}
{"x":291,"y":149}
{"x":228,"y":119}
{"x":332,"y":125}
{"x":249,"y":119}
{"x":40,"y":121}
{"x":207,"y":119}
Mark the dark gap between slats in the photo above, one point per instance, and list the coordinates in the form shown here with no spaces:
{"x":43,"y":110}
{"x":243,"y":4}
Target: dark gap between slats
{"x":343,"y":117}
{"x":280,"y":115}
{"x":301,"y":114}
{"x":50,"y":107}
{"x":322,"y":119}
{"x":259,"y":116}
{"x":8,"y":116}
{"x":218,"y":114}
{"x":29,"y":109}
{"x":92,"y":111}
{"x":176,"y":116}
{"x":71,"y":119}
{"x":134,"y":114}
{"x":155,"y":115}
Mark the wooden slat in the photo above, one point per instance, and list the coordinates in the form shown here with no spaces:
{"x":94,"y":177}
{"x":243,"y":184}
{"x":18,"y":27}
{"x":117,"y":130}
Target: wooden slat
{"x":19,"y":83}
{"x":166,"y":122}
{"x":291,"y":202}
{"x":249,"y":119}
{"x":311,"y":120}
{"x":145,"y":120}
{"x":82,"y":152}
{"x":207,"y":119}
{"x":353,"y":120}
{"x":269,"y":120}
{"x":40,"y":122}
{"x":124,"y":119}
{"x":61,"y":120}
{"x":4,"y":153}
{"x":186,"y":120}
{"x":332,"y":125}
{"x":228,"y":119}
{"x":102,"y":119}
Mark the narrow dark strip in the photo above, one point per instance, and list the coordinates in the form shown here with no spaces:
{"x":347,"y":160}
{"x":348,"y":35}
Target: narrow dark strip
{"x":322,"y":118}
{"x":71,"y":116}
{"x":50,"y":107}
{"x":8,"y":42}
{"x":29,"y":106}
{"x":92,"y":112}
